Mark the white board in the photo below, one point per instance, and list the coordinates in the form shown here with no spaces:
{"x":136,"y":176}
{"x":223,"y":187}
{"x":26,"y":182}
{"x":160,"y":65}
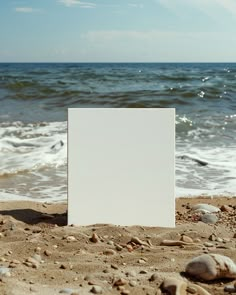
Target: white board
{"x":121,"y":166}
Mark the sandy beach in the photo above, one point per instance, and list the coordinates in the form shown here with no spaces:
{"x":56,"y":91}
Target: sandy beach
{"x":40,"y":254}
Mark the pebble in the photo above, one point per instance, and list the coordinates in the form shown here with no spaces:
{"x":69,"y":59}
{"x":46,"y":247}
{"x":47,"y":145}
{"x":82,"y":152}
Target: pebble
{"x":211,"y":266}
{"x":218,"y":239}
{"x":47,"y":253}
{"x":120,"y":282}
{"x":96,"y":290}
{"x":207,"y":207}
{"x":186,"y":239}
{"x":132,"y":283}
{"x":32,"y":262}
{"x":137,"y":241}
{"x":109,"y":252}
{"x":209,"y":218}
{"x":125,"y":292}
{"x":174,"y":243}
{"x":119,"y":248}
{"x":71,"y":239}
{"x":153,"y":277}
{"x":207,"y":244}
{"x":94,"y":238}
{"x":142,"y":261}
{"x":131,"y":273}
{"x":212,"y":237}
{"x":67,"y":291}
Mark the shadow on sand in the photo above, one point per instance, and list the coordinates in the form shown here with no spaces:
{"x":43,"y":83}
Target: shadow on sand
{"x":33,"y":217}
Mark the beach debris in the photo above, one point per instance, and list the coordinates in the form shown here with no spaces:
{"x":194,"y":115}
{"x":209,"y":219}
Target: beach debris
{"x":211,"y":266}
{"x":174,"y":286}
{"x":96,"y":290}
{"x":206,"y":207}
{"x":5,"y":271}
{"x":209,"y":218}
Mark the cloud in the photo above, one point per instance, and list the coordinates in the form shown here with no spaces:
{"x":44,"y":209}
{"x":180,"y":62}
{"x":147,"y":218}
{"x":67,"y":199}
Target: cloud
{"x":25,"y":9}
{"x":70,"y":3}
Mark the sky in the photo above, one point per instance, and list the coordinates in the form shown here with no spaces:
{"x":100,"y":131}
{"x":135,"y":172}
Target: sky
{"x":118,"y":31}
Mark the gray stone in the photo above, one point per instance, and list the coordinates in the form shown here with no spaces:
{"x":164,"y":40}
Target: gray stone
{"x":209,"y":218}
{"x":206,"y":207}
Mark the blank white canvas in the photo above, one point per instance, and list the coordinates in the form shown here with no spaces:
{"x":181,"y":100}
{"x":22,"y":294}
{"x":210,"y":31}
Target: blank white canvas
{"x":121,"y":166}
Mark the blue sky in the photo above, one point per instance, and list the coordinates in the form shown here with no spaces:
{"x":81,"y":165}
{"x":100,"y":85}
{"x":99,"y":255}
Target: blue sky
{"x":116,"y":31}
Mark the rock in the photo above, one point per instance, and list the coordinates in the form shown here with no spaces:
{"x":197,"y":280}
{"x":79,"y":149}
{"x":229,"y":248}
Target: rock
{"x":96,"y":290}
{"x":209,"y":218}
{"x":175,"y":243}
{"x":218,"y":239}
{"x":137,"y":241}
{"x":207,"y":244}
{"x":212,"y":237}
{"x":120,"y":282}
{"x":66,"y":291}
{"x":211,"y":266}
{"x":153,"y":277}
{"x":174,"y":286}
{"x":132,"y":283}
{"x":131,"y":273}
{"x":206,"y":207}
{"x":94,"y":238}
{"x":32,"y":262}
{"x":125,"y":292}
{"x":118,"y":247}
{"x":71,"y":239}
{"x":226,"y":208}
{"x":109,"y":252}
{"x":47,"y":253}
{"x":230,"y":289}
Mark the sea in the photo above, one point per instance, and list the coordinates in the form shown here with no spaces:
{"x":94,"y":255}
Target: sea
{"x":34,"y":98}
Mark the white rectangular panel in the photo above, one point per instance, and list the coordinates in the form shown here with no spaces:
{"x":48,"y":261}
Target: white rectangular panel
{"x":121,"y":166}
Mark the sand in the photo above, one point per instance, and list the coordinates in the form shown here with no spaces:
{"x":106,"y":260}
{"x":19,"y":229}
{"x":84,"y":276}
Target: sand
{"x":45,"y":256}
